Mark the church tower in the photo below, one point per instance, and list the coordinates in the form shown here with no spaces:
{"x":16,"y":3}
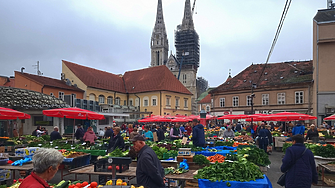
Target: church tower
{"x":159,"y":41}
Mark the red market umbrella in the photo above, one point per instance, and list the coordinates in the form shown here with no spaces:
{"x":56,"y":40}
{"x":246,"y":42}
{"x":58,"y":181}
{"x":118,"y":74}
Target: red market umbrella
{"x":288,"y":116}
{"x":180,"y":120}
{"x":73,"y":113}
{"x":7,"y":114}
{"x":208,"y":117}
{"x":332,"y":117}
{"x":231,"y":116}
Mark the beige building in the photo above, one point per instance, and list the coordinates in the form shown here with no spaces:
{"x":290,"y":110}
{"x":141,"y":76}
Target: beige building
{"x":324,"y":67}
{"x":279,"y":87}
{"x":142,"y":92}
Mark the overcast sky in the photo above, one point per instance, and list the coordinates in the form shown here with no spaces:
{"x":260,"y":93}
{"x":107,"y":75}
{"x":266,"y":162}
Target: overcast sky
{"x":114,"y":35}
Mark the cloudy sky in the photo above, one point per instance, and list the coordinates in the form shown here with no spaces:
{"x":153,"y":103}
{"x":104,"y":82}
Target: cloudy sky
{"x":114,"y":35}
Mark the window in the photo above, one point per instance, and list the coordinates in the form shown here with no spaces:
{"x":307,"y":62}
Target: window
{"x":125,"y":103}
{"x":299,"y":97}
{"x":222,"y":102}
{"x":130,"y":102}
{"x":185,"y":103}
{"x":110,"y":100}
{"x":265,"y":99}
{"x":91,"y":97}
{"x":281,"y":98}
{"x":51,"y":94}
{"x":117,"y":100}
{"x":212,"y":103}
{"x":208,"y":108}
{"x":146,"y":102}
{"x":184,"y":78}
{"x":177,"y":102}
{"x":235,"y":101}
{"x":249,"y":100}
{"x":168,"y":101}
{"x":154,"y":101}
{"x":101,"y":99}
{"x":137,"y":102}
{"x":61,"y":95}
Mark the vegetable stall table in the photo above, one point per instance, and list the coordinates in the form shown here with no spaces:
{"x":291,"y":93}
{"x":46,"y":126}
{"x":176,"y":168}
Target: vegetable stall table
{"x":71,"y":163}
{"x":325,"y":179}
{"x":24,"y":167}
{"x":279,"y":141}
{"x":131,"y":173}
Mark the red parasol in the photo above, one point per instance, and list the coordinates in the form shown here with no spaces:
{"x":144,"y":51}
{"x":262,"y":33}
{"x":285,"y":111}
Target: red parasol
{"x":289,"y":116}
{"x":180,"y":120}
{"x":332,"y":117}
{"x":7,"y":114}
{"x":73,"y":113}
{"x":231,"y":116}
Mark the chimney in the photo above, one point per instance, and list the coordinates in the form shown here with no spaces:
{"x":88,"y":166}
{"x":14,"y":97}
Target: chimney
{"x":22,"y":68}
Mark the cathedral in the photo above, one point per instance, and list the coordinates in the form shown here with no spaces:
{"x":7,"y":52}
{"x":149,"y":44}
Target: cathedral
{"x":185,"y":63}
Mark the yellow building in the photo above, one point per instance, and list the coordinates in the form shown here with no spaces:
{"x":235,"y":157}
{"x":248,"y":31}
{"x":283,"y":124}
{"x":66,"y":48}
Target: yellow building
{"x":152,"y":90}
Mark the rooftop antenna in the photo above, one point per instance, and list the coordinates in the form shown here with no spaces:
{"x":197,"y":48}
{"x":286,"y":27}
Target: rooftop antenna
{"x":229,"y":72}
{"x":39,"y":73}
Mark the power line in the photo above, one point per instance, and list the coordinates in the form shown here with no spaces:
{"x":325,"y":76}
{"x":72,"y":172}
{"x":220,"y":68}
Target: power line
{"x":280,"y":25}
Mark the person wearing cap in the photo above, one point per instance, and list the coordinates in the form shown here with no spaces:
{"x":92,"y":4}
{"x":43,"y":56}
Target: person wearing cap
{"x":312,"y":134}
{"x":198,"y":134}
{"x":149,"y":171}
{"x":79,"y":132}
{"x":55,"y":134}
{"x":229,"y":133}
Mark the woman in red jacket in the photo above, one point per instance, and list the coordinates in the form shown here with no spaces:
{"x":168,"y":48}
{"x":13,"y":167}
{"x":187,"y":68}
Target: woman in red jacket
{"x":46,"y":163}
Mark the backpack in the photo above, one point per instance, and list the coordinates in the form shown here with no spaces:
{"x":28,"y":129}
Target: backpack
{"x":34,"y":133}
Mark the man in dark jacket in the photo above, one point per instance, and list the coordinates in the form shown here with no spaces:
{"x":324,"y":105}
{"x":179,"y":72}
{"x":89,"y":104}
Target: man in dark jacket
{"x":116,"y":141}
{"x":160,"y":133}
{"x":303,"y":172}
{"x":238,"y":127}
{"x":79,"y":132}
{"x":298,"y":129}
{"x":108,"y":132}
{"x":149,"y":171}
{"x":55,"y":134}
{"x":198,"y":134}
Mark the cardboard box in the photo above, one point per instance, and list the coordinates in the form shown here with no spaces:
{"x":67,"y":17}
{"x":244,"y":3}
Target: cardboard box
{"x":23,"y":152}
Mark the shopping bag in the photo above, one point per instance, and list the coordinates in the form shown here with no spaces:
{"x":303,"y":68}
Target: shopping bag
{"x":269,"y":148}
{"x":281,"y":180}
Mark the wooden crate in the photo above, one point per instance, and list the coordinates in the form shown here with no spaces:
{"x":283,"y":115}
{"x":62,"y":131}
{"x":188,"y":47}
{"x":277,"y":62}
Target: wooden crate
{"x":191,"y":183}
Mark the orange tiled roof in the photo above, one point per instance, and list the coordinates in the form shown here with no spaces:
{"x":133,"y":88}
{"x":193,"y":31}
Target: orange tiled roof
{"x":205,"y":100}
{"x":96,"y":78}
{"x":157,"y":78}
{"x":48,"y":81}
{"x":275,"y":74}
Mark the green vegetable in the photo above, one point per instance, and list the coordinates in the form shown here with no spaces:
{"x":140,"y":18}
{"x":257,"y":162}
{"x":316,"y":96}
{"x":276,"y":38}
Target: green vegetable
{"x":116,"y":153}
{"x":226,"y":143}
{"x":241,"y":170}
{"x":201,"y":160}
{"x":159,"y":151}
{"x":255,"y":155}
{"x":62,"y":184}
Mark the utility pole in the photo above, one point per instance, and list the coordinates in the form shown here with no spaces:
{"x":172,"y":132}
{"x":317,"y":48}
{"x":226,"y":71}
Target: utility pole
{"x":251,"y":97}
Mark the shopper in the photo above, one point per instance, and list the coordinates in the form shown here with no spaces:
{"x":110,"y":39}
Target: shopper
{"x":263,"y":139}
{"x":90,"y":136}
{"x":133,"y":134}
{"x":298,"y":129}
{"x":46,"y":163}
{"x":130,"y":129}
{"x":109,"y":132}
{"x":101,"y":133}
{"x":79,"y":133}
{"x":198,"y":134}
{"x":175,"y":132}
{"x":116,"y":141}
{"x":188,"y":127}
{"x":312,"y":134}
{"x":149,"y":171}
{"x":15,"y":133}
{"x":229,"y":133}
{"x":55,"y":134}
{"x":299,"y":164}
{"x":160,"y":133}
{"x":148,"y":134}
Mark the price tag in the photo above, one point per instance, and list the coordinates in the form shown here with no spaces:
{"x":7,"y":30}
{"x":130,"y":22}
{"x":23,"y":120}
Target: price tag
{"x":84,"y":144}
{"x":66,"y":142}
{"x":56,"y":147}
{"x":73,"y":148}
{"x":39,"y":144}
{"x":50,"y":142}
{"x":184,"y":141}
{"x":100,"y":145}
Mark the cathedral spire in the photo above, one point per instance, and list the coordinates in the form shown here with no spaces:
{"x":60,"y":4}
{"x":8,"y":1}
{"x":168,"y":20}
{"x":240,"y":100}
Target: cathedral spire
{"x":159,"y":41}
{"x":159,"y":25}
{"x":187,"y":23}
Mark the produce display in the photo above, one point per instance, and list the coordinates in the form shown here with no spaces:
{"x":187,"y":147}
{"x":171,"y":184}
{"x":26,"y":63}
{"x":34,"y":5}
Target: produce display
{"x":241,"y":170}
{"x":117,"y":153}
{"x":244,"y":138}
{"x":201,"y":160}
{"x":71,"y":154}
{"x":216,"y":158}
{"x":225,"y":143}
{"x":172,"y":170}
{"x":325,"y":150}
{"x":255,"y":155}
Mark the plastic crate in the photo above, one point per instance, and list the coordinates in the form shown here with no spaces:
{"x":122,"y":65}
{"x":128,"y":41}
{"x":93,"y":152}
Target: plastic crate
{"x":77,"y":161}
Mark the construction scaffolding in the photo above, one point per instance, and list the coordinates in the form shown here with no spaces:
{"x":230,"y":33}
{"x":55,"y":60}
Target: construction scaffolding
{"x":187,"y":46}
